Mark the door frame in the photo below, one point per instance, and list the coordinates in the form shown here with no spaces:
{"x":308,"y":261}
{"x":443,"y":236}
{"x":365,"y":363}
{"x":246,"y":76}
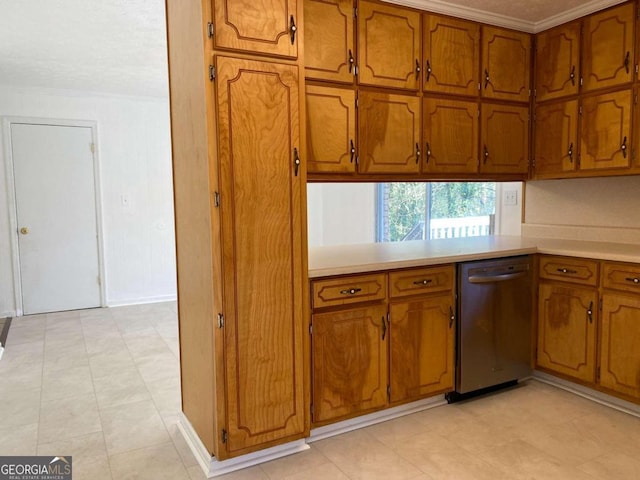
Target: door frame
{"x":7,"y":121}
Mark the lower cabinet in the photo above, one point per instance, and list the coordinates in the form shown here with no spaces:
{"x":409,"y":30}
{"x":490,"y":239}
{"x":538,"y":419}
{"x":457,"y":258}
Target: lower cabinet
{"x":371,"y":348}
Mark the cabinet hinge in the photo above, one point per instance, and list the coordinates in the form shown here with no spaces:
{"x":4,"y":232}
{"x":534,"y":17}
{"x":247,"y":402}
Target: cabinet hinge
{"x":310,"y":329}
{"x":355,"y":12}
{"x":637,"y":66}
{"x":635,"y":99}
{"x":357,"y":102}
{"x":581,"y":80}
{"x":479,"y":86}
{"x":388,"y":318}
{"x":600,"y":304}
{"x":533,"y":162}
{"x":389,"y":393}
{"x":311,"y":410}
{"x":535,"y":92}
{"x":212,"y":73}
{"x":580,"y":110}
{"x":210,"y":29}
{"x":356,"y":70}
{"x":357,"y":160}
{"x":220,"y":320}
{"x":597,"y":374}
{"x":216,"y":199}
{"x":529,"y":92}
{"x":224,"y":436}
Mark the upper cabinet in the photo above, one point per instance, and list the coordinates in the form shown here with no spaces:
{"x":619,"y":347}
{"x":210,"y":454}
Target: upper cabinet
{"x":557,"y":62}
{"x":556,"y":138}
{"x":389,"y":132}
{"x":607,"y":48}
{"x":506,"y":64}
{"x":257,"y":26}
{"x":504,"y":139}
{"x":451,"y":49}
{"x":389,"y":40}
{"x":329,"y":50}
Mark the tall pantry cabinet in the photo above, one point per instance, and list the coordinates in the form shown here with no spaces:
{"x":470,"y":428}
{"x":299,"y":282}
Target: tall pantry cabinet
{"x":237,"y":96}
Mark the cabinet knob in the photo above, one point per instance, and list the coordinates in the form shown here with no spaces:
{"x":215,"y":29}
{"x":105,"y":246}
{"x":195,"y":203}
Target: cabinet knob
{"x":353,"y":150}
{"x":590,"y":312}
{"x":572,"y":75}
{"x":486,"y":78}
{"x":418,"y":69}
{"x":623,"y":147}
{"x":626,"y":62}
{"x":292,"y":30}
{"x":351,"y":61}
{"x":425,"y":281}
{"x":633,"y":280}
{"x":428,"y":70}
{"x":570,"y":152}
{"x":350,"y":291}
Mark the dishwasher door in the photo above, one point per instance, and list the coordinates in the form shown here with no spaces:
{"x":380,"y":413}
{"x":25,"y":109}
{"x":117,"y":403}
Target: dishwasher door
{"x":494,"y":331}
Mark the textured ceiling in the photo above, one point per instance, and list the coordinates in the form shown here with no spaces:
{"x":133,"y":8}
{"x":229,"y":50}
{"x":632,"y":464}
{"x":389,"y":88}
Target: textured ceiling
{"x":110,"y":46}
{"x":119,"y":46}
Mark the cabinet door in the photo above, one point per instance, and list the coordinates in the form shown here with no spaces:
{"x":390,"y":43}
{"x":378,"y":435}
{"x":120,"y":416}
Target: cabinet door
{"x":605,"y":131}
{"x":331,"y":129}
{"x":388,"y":46}
{"x":264,"y":265}
{"x":350,"y":372}
{"x":620,"y":344}
{"x":556,"y":138}
{"x":451,"y":136}
{"x":557,"y":62}
{"x":389,"y":133}
{"x":506,"y":64}
{"x":329,"y":52}
{"x":421,"y":347}
{"x":567,"y":330}
{"x":607,"y":48}
{"x":505,"y":139}
{"x":257,"y":26}
{"x":451,"y":55}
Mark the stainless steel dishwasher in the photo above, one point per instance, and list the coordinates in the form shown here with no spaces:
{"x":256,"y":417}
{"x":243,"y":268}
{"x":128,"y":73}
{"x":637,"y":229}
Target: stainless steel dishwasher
{"x":494,"y":328}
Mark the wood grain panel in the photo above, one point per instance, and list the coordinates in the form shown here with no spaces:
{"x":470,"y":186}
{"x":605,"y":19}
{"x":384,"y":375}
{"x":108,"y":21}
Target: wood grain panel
{"x":422,"y":335}
{"x":450,"y":136}
{"x":566,"y":332}
{"x":504,"y":139}
{"x":348,"y":290}
{"x":558,"y":62}
{"x":569,"y":269}
{"x":389,"y":40}
{"x":331,"y":130}
{"x":329,"y":41}
{"x":556,"y":138}
{"x":620,"y":344}
{"x":256,"y":26}
{"x":451,"y":55}
{"x":349,"y":362}
{"x":263,"y":261}
{"x":418,"y":281}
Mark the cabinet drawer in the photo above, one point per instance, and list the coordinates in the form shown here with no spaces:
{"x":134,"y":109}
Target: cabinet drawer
{"x":574,"y":270}
{"x":424,"y":280}
{"x":346,"y":290}
{"x":621,"y":276}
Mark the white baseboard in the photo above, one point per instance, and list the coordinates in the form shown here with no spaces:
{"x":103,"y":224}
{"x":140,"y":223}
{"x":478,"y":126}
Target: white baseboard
{"x":589,"y":393}
{"x":214,"y":468}
{"x":141,"y":300}
{"x":373,"y":418}
{"x":10,"y":313}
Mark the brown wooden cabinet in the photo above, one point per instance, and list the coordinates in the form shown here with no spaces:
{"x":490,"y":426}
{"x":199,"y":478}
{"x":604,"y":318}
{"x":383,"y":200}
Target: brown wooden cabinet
{"x":556,"y":139}
{"x":557,"y":62}
{"x":506,"y":64}
{"x":504,"y":133}
{"x":389,"y":133}
{"x":264,"y":380}
{"x":329,"y":40}
{"x":450,"y":135}
{"x":605,"y":131}
{"x":422,"y":332}
{"x":389,"y":39}
{"x":607,"y":47}
{"x":350,"y":373}
{"x":331,"y":129}
{"x":451,"y":55}
{"x":567,"y":319}
{"x":257,"y":26}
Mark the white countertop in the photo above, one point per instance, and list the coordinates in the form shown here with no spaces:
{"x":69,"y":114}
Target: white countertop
{"x":346,"y":259}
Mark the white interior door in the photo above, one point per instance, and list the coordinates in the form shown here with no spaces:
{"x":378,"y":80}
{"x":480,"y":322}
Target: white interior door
{"x":56,"y":217}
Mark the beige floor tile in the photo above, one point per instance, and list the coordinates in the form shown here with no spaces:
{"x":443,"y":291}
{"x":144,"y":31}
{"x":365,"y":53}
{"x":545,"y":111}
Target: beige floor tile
{"x":460,"y":465}
{"x":105,"y":344}
{"x":181,"y":445}
{"x":84,"y":446}
{"x":308,"y":461}
{"x":158,"y":367}
{"x":145,"y":345}
{"x":613,"y":466}
{"x":68,"y":417}
{"x":166,"y":396}
{"x":396,"y":431}
{"x":413,"y":449}
{"x":18,"y":335}
{"x":326,"y":471}
{"x":477,"y":435}
{"x":251,"y":473}
{"x":38,"y":321}
{"x":22,"y":376}
{"x":62,"y":361}
{"x":18,"y":406}
{"x":69,"y":382}
{"x":106,"y":363}
{"x":121,"y":387}
{"x":18,"y":440}
{"x":132,"y":426}
{"x":443,"y":419}
{"x":361,"y":457}
{"x":158,"y":462}
{"x":14,"y":355}
{"x":92,"y":468}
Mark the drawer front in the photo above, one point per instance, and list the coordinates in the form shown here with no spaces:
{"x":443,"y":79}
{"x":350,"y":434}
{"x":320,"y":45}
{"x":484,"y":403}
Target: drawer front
{"x":566,"y":269}
{"x":347,"y":290}
{"x":621,"y":276}
{"x":420,"y":281}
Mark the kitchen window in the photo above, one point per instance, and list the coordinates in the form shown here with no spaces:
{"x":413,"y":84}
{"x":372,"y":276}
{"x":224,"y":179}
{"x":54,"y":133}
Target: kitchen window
{"x":429,"y":210}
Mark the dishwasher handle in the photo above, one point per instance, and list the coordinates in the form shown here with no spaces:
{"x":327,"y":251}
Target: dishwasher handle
{"x":503,"y":277}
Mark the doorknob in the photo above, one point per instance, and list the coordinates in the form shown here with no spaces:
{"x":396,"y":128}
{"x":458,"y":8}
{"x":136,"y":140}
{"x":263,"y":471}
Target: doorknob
{"x":24,"y":230}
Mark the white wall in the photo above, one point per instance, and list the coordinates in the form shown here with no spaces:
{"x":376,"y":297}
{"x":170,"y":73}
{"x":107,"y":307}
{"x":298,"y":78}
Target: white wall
{"x":134,"y":150}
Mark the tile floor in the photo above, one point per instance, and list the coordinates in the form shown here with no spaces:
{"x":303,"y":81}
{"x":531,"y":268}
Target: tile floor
{"x":103,"y":385}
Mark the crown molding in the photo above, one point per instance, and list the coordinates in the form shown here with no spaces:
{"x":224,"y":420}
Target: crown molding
{"x":477,"y":15}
